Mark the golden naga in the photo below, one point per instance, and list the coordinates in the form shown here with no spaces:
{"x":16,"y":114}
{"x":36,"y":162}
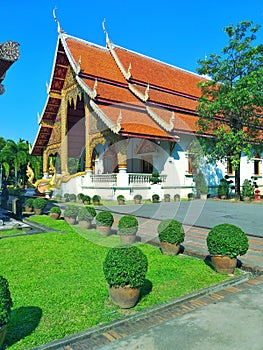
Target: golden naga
{"x":43,"y":185}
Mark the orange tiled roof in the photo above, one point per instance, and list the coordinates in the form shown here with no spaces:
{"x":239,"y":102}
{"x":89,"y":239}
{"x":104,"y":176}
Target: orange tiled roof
{"x":101,"y":73}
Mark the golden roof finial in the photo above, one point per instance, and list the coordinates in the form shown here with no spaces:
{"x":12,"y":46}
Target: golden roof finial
{"x":56,"y":20}
{"x":105,"y":31}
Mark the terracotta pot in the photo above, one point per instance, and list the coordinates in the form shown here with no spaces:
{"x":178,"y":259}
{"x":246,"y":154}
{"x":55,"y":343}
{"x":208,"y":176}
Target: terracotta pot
{"x":85,"y":224}
{"x":125,"y":297}
{"x":170,"y":248}
{"x":3,"y":330}
{"x":28,"y":209}
{"x":38,"y":211}
{"x":137,"y":201}
{"x":128,"y":239}
{"x":54,"y":216}
{"x":70,"y":220}
{"x":121,"y":201}
{"x":166,"y":199}
{"x":103,"y":230}
{"x":224,"y":264}
{"x":86,"y":202}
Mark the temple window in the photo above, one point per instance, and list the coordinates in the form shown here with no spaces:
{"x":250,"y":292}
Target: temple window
{"x":257,"y":161}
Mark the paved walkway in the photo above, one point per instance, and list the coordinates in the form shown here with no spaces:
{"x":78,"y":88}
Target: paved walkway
{"x":225,"y":317}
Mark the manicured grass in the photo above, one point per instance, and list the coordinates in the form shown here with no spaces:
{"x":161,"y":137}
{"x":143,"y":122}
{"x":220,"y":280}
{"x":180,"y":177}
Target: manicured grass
{"x":11,"y":232}
{"x":58,"y":287}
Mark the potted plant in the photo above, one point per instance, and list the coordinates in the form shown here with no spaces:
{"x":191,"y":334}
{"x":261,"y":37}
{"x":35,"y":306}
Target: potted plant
{"x":80,"y":197}
{"x":86,"y":199}
{"x":85,"y":217}
{"x":29,"y":205}
{"x":223,"y":189}
{"x":201,"y":185}
{"x":127,"y":229}
{"x":55,"y":212}
{"x":155,"y":178}
{"x":6,"y":304}
{"x":125,"y":269}
{"x":177,"y":197}
{"x":39,"y":205}
{"x":104,"y":221}
{"x":70,"y":214}
{"x":171,"y":235}
{"x":121,"y":199}
{"x":155,"y":198}
{"x":167,"y":197}
{"x":96,"y":199}
{"x":247,"y":191}
{"x":190,"y":196}
{"x":72,"y":197}
{"x":137,"y":199}
{"x":225,"y":242}
{"x":66,"y":197}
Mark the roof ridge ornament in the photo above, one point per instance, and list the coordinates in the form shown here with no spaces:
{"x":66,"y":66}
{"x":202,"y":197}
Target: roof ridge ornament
{"x":167,"y":126}
{"x":142,"y":96}
{"x":57,"y":21}
{"x":125,"y":73}
{"x":78,"y":65}
{"x":113,"y":127}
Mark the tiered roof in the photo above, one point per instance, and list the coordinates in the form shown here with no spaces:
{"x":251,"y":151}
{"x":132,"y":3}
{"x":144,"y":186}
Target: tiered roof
{"x":134,"y":95}
{"x":9,"y":53}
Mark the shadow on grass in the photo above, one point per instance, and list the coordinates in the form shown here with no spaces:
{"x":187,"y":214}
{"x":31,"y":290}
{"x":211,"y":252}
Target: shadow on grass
{"x":146,"y":288}
{"x":22,"y":323}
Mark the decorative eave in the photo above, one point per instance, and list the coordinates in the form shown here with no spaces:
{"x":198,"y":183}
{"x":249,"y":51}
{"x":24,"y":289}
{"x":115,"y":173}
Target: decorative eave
{"x":113,"y":127}
{"x":167,"y":126}
{"x":143,"y":97}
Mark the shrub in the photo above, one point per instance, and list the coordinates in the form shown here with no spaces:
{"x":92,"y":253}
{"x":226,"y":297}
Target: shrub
{"x":71,"y":211}
{"x":223,"y":188}
{"x":247,"y":189}
{"x":55,"y":209}
{"x":200,"y":184}
{"x":155,"y":178}
{"x":190,"y":195}
{"x":72,"y":197}
{"x":86,"y":213}
{"x":120,"y":197}
{"x":227,"y":239}
{"x":155,"y":197}
{"x":104,"y":218}
{"x":125,"y":265}
{"x":6,"y":302}
{"x":167,"y":195}
{"x":86,"y":198}
{"x":128,"y":224}
{"x":171,"y":231}
{"x":96,"y":198}
{"x":66,"y":195}
{"x":29,"y":202}
{"x":138,"y":196}
{"x":177,"y":197}
{"x":39,"y":203}
{"x":80,"y":196}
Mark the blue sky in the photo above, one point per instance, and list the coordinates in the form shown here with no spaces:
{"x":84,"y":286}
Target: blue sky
{"x":175,"y":32}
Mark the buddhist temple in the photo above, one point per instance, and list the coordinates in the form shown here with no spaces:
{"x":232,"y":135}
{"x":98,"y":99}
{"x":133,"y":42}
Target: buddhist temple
{"x":112,"y":116}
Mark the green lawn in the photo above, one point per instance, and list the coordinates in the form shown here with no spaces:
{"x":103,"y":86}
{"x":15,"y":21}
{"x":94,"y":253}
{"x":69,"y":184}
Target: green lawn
{"x":58,"y":287}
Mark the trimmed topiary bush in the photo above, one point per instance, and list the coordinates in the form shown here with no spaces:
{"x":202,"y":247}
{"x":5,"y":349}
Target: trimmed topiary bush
{"x":29,"y":202}
{"x":71,"y":211}
{"x":6,"y":302}
{"x":125,"y":266}
{"x":227,"y":239}
{"x":86,"y":199}
{"x":86,"y":214}
{"x":104,"y":218}
{"x":177,"y":197}
{"x":171,"y":231}
{"x":39,"y":203}
{"x":72,"y":197}
{"x":128,"y":224}
{"x":155,"y":198}
{"x":55,"y":209}
{"x":96,"y":199}
{"x":155,"y":178}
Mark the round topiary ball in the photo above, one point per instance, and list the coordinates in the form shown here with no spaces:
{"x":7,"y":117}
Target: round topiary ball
{"x":227,"y":239}
{"x":125,"y":265}
{"x":171,"y":231}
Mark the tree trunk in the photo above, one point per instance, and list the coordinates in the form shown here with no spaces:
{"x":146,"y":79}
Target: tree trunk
{"x":237,"y":182}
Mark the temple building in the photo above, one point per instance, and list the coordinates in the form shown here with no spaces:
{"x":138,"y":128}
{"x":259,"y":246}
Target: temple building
{"x":9,"y":53}
{"x":112,"y":116}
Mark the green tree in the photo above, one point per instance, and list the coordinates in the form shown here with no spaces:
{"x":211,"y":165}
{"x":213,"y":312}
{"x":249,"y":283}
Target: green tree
{"x":230,"y":107}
